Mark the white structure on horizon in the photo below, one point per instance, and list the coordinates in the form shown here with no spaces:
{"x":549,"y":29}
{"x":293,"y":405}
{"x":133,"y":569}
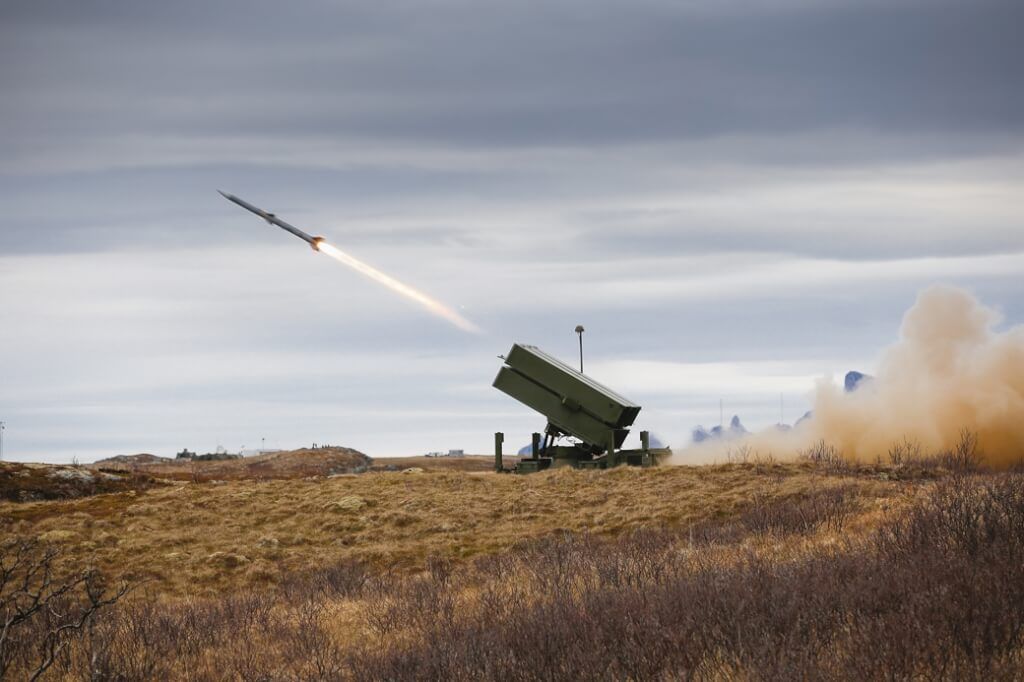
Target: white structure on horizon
{"x":450,"y":453}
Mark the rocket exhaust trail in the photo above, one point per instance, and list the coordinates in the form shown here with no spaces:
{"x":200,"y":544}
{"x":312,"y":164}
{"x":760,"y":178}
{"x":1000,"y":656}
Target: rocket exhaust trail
{"x":319,"y":244}
{"x":436,"y":307}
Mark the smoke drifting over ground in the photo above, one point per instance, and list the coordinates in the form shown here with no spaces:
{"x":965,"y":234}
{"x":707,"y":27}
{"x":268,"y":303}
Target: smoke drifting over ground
{"x":949,"y":371}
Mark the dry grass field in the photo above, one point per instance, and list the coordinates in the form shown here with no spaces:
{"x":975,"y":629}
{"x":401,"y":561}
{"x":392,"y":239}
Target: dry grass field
{"x":202,"y":538}
{"x":465,"y":463}
{"x":756,"y":570}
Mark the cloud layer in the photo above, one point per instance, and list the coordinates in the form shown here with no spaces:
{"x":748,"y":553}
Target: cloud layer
{"x":744,"y":191}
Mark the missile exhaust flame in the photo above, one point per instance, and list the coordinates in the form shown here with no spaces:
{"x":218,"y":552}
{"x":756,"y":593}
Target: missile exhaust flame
{"x":434,"y":306}
{"x":318,"y":244}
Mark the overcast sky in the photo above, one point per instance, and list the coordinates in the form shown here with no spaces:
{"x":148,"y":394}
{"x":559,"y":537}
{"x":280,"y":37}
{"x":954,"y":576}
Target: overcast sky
{"x":734,"y":198}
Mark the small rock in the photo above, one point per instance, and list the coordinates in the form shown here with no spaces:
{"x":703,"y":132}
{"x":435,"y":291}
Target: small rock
{"x":58,"y":536}
{"x":227,"y":559}
{"x":72,"y":475}
{"x":347,"y":503}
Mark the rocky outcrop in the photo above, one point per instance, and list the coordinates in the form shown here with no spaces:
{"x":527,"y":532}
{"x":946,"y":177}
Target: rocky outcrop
{"x":734,"y":430}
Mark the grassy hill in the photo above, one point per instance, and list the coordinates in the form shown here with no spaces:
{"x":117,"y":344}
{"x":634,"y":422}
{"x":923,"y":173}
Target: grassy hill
{"x":33,"y":482}
{"x":178,"y":537}
{"x":744,"y":570}
{"x":301,"y":463}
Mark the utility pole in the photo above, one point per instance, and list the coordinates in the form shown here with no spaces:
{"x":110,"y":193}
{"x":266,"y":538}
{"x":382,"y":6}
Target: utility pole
{"x":580,"y":330}
{"x":2,"y":427}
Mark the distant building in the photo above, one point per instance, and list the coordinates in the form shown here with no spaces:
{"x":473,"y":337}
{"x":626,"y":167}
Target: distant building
{"x":450,"y":453}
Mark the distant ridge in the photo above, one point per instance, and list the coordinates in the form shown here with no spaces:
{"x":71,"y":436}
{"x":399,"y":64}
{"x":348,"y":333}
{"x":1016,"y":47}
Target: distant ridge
{"x":851,"y":382}
{"x":854,"y":379}
{"x":301,"y":463}
{"x":734,"y":430}
{"x":141,"y":458}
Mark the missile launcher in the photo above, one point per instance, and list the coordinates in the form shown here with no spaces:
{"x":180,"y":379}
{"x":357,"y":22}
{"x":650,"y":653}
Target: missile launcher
{"x":593,"y":417}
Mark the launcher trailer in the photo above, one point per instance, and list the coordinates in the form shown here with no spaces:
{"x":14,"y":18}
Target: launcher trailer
{"x":594,"y":417}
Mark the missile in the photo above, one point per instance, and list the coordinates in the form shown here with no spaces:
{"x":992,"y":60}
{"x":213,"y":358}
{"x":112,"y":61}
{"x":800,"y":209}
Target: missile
{"x":274,"y":220}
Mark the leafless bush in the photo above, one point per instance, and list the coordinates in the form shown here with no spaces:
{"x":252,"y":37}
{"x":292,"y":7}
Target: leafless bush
{"x":936,"y":594}
{"x":739,"y":455}
{"x":346,"y":578}
{"x":906,"y":457}
{"x":313,"y":652}
{"x":828,"y":457}
{"x":920,"y":599}
{"x":41,"y":614}
{"x":826,"y":508}
{"x":965,"y":456}
{"x":906,"y":452}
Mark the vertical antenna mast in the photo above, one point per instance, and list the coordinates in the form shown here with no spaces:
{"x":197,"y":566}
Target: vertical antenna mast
{"x":579,"y":331}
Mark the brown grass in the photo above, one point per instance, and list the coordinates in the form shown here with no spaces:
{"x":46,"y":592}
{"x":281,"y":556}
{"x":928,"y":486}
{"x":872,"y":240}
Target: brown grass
{"x":302,"y":463}
{"x":190,"y":538}
{"x":288,"y":464}
{"x":743,"y":571}
{"x":466,"y":463}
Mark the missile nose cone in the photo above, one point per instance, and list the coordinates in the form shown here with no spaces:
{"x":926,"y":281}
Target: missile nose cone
{"x":224,"y":194}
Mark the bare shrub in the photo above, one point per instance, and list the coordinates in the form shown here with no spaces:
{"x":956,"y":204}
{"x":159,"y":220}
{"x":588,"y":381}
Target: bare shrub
{"x":828,"y":457}
{"x":417,"y":603}
{"x":346,"y":578}
{"x":42,"y":614}
{"x":740,"y":454}
{"x":906,"y":452}
{"x":937,"y":593}
{"x":313,"y":653}
{"x":826,"y":508}
{"x":965,"y":456}
{"x":916,"y":600}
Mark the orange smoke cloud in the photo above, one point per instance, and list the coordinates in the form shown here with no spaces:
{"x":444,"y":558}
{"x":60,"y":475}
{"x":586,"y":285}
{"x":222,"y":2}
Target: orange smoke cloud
{"x":950,"y":370}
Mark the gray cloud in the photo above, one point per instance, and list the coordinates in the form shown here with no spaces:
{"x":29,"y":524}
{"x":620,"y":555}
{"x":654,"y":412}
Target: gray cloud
{"x":697,"y":182}
{"x":577,"y":73}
